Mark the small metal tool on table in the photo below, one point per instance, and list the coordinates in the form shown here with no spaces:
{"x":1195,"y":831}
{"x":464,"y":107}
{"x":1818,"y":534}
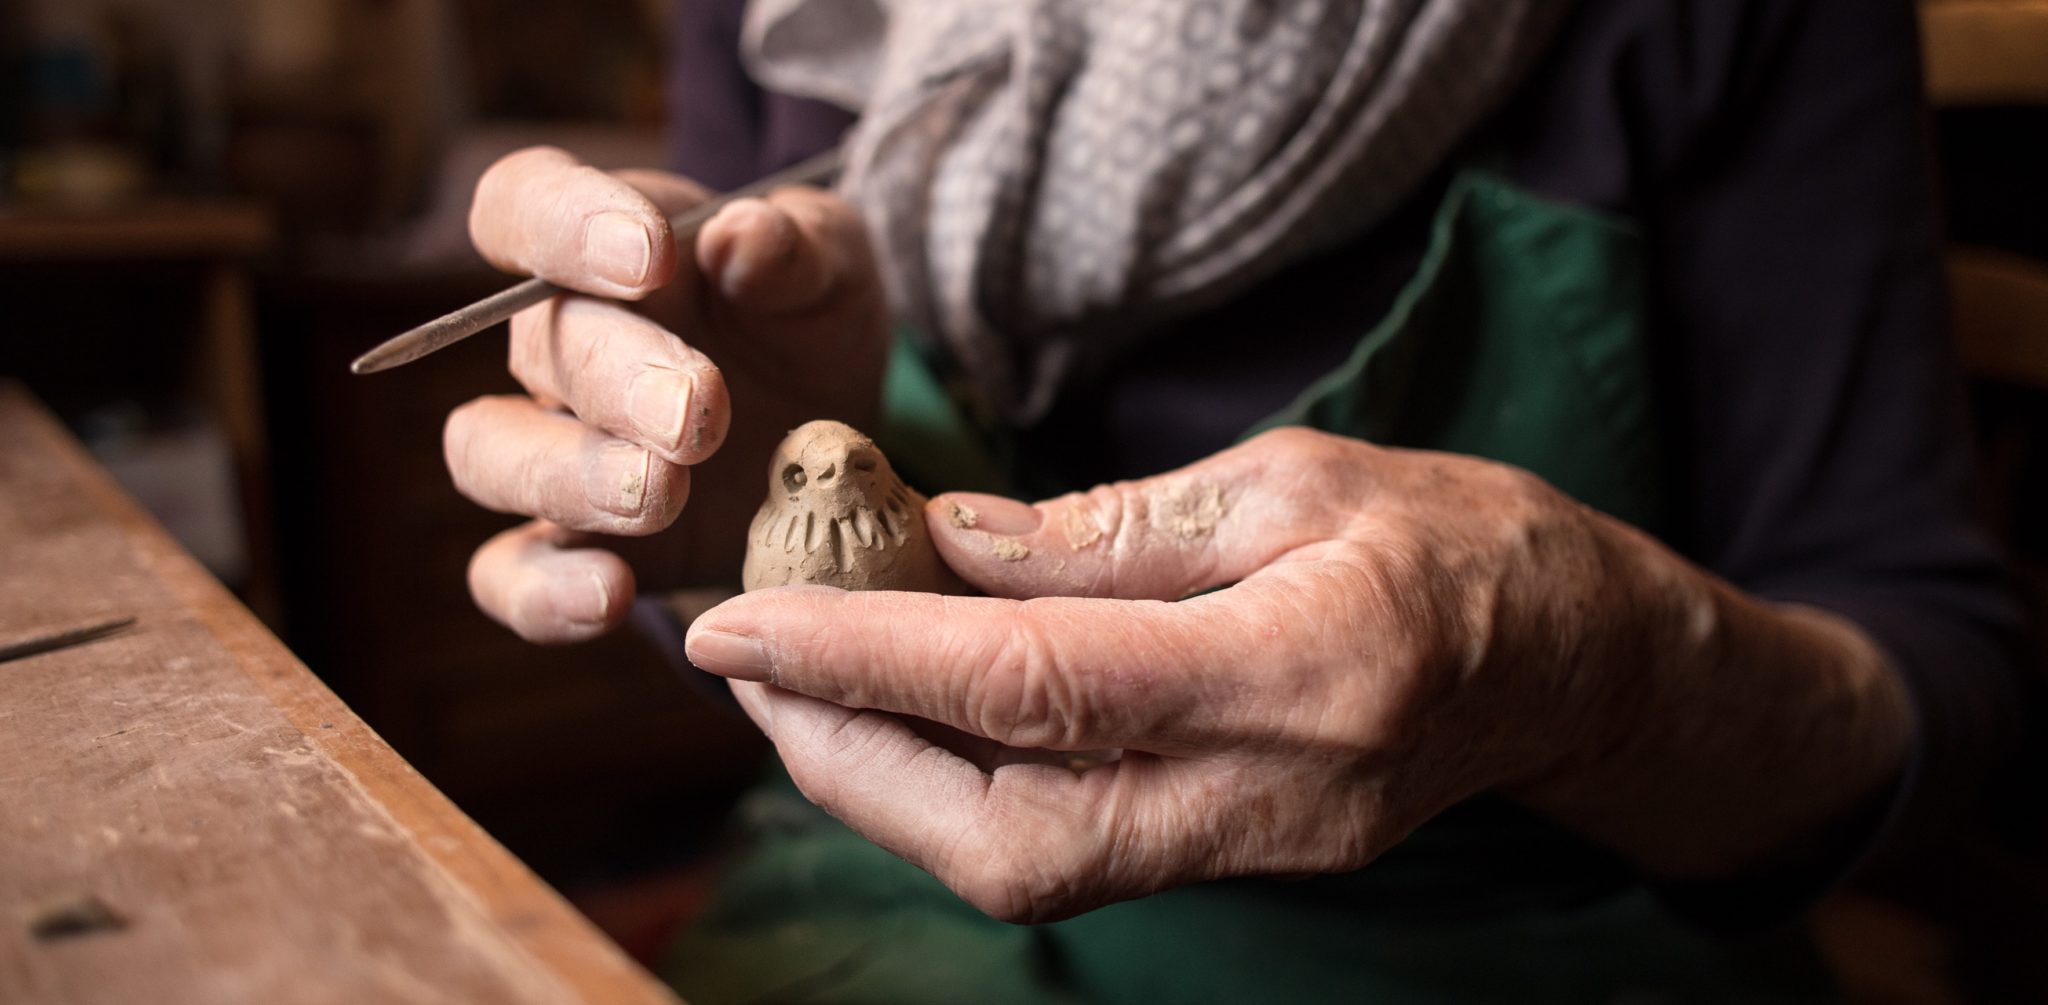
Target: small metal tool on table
{"x":48,"y":642}
{"x":450,"y":329}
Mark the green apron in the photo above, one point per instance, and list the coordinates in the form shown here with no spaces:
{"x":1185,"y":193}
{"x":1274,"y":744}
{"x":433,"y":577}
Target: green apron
{"x":1522,"y":337}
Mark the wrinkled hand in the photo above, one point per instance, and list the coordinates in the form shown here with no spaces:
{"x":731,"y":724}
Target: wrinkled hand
{"x":1300,"y":721}
{"x":774,"y":316}
{"x":1405,"y":630}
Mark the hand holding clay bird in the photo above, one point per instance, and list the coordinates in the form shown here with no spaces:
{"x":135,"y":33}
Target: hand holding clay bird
{"x":1304,"y":646}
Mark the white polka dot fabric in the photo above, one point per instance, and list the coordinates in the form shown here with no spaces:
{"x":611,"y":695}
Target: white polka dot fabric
{"x":1049,"y":179}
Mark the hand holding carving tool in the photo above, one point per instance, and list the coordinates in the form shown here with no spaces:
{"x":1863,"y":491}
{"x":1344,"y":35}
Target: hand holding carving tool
{"x":452,"y":328}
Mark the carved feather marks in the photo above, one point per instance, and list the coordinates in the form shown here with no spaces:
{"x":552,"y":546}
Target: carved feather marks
{"x":864,"y":528}
{"x":838,"y":536}
{"x":806,"y":532}
{"x":858,"y":527}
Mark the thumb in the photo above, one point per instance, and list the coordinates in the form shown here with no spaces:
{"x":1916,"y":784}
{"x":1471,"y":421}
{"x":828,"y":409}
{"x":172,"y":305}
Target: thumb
{"x":1161,"y":538}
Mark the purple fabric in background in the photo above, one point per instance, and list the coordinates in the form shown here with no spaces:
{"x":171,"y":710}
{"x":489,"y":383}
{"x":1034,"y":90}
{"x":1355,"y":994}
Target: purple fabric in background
{"x":1776,"y":152}
{"x":724,"y":130}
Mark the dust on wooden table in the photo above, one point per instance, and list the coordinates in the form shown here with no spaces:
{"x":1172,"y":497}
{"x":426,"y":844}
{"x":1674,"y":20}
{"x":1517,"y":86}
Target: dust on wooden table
{"x":191,"y":816}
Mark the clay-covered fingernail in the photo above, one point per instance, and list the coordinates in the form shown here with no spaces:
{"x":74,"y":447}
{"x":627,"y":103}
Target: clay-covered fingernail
{"x":741,"y":657}
{"x":616,"y":480}
{"x":583,"y":600}
{"x":658,"y":405}
{"x":992,"y":514}
{"x":618,"y":248}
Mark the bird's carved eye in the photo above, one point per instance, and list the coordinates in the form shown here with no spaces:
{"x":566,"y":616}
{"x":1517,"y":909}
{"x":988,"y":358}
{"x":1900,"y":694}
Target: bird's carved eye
{"x":793,"y":478}
{"x":863,"y":462}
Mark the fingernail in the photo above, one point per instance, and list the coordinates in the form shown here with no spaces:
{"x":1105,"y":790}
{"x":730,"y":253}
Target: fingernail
{"x":749,"y":252}
{"x":580,"y":599}
{"x":616,"y":481}
{"x":658,"y":405}
{"x":994,"y":514}
{"x":618,"y":248}
{"x":741,"y":657}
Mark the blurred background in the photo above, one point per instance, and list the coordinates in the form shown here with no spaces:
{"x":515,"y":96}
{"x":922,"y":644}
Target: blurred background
{"x":208,"y":207}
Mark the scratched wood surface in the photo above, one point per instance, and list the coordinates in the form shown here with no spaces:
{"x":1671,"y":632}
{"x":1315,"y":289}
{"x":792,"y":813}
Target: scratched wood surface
{"x":188,"y":815}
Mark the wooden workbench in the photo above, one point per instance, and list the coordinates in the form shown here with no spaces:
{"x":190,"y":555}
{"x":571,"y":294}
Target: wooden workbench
{"x":188,"y":815}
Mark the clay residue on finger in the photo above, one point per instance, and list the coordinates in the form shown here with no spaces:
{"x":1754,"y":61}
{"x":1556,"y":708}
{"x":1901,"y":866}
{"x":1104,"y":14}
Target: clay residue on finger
{"x":1009,"y":550}
{"x":1078,"y":524}
{"x":963,"y":517}
{"x":632,"y":488}
{"x":1189,"y":509}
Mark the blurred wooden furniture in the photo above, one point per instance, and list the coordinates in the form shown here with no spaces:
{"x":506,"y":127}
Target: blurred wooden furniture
{"x":191,"y":817}
{"x":2001,"y":313}
{"x":222,"y":239}
{"x":1966,"y":922}
{"x":1986,"y":52}
{"x":1993,"y":53}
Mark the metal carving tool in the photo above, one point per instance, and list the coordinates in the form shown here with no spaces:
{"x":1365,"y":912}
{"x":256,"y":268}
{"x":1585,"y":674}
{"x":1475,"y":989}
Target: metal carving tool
{"x":53,"y":641}
{"x":452,"y":328}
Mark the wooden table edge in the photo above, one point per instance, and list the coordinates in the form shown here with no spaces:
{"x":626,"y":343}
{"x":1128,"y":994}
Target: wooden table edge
{"x":536,"y":917}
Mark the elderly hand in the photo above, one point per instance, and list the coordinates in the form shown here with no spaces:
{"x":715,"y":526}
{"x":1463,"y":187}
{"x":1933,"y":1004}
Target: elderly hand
{"x":775,"y":315}
{"x":1397,"y":631}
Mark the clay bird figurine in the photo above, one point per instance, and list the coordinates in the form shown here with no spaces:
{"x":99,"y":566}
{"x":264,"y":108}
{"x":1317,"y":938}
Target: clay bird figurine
{"x":838,"y":515}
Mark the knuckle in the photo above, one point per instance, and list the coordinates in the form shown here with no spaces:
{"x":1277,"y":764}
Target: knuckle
{"x":1117,"y":511}
{"x":1106,"y":518}
{"x":584,"y":354}
{"x":814,"y":209}
{"x":527,"y":348}
{"x":1298,"y":445}
{"x":501,"y":182}
{"x":1325,"y":455}
{"x":526,"y":159}
{"x":832,"y":222}
{"x":1413,"y":609}
{"x":1024,"y":697}
{"x":535,"y":486}
{"x":1522,"y":491}
{"x":1323,"y":471}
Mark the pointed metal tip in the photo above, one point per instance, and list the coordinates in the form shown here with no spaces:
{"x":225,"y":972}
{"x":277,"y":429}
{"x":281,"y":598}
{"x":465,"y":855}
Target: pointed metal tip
{"x":385,"y":356}
{"x":367,"y":363}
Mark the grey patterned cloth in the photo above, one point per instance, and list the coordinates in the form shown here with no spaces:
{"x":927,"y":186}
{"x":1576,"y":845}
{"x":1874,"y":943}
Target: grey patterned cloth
{"x":1047,"y":180}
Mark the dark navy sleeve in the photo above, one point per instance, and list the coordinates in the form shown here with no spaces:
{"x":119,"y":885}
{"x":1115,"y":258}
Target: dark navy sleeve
{"x":1778,"y":153}
{"x":724,"y":130}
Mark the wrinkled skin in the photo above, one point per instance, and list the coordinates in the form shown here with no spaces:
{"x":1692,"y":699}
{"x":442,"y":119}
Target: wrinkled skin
{"x":1390,"y":631}
{"x":1396,"y":631}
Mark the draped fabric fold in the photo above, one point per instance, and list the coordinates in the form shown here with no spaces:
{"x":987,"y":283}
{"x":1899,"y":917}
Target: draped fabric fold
{"x":1049,"y":180}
